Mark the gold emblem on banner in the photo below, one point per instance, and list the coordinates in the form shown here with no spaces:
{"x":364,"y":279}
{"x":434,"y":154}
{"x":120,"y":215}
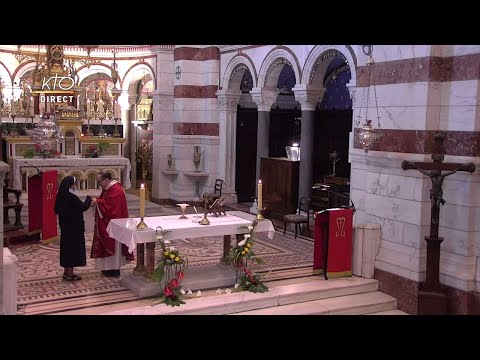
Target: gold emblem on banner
{"x":340,"y":226}
{"x":49,"y":191}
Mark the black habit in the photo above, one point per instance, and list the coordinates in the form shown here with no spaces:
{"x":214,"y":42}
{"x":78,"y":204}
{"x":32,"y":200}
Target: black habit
{"x":72,"y":227}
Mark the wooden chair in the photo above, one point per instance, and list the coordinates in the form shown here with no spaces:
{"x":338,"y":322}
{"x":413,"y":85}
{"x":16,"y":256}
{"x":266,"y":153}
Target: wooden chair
{"x":217,"y":190}
{"x":297,"y":219}
{"x":15,"y":205}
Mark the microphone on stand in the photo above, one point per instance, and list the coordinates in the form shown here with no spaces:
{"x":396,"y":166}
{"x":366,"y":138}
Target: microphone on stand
{"x":36,"y":168}
{"x":327,"y":188}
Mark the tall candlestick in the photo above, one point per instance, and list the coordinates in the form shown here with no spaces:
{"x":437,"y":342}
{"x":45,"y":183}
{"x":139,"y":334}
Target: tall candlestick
{"x":260,"y":200}
{"x":142,"y":200}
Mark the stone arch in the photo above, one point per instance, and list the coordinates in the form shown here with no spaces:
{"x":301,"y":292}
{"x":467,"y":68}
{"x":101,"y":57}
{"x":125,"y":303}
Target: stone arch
{"x":273,"y":64}
{"x":75,"y":130}
{"x":134,"y":74}
{"x":235,"y":70}
{"x":23,"y":69}
{"x":102,"y":71}
{"x":313,"y":73}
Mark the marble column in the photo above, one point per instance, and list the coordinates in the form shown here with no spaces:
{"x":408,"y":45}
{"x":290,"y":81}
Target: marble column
{"x":308,"y":98}
{"x":264,"y":98}
{"x":163,"y":130}
{"x":227,"y":117}
{"x":4,"y":168}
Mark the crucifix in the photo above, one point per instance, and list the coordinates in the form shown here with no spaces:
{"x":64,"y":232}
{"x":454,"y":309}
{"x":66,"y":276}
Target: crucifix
{"x":431,"y":299}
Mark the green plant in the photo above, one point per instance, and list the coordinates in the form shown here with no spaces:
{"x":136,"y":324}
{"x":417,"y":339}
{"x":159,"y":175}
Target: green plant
{"x":29,"y":153}
{"x":170,"y":270}
{"x":239,"y":257}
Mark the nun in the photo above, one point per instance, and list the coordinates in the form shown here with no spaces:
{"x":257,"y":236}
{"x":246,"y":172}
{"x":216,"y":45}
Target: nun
{"x":69,"y":209}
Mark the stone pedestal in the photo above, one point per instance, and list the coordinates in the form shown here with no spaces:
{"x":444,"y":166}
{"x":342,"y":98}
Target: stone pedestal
{"x":366,"y":243}
{"x":196,"y":278}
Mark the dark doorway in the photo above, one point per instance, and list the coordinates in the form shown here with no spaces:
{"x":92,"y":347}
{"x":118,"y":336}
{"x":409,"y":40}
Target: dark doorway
{"x":246,"y":154}
{"x":285,"y":129}
{"x":332,"y":130}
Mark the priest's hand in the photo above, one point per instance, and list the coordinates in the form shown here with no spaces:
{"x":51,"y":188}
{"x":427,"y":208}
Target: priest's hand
{"x":94,"y":202}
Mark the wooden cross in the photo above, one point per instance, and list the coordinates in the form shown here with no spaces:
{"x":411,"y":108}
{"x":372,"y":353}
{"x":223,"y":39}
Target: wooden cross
{"x":431,"y":298}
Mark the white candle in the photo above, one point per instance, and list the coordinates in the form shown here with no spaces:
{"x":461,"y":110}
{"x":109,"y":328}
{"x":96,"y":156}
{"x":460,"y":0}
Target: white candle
{"x":260,"y":200}
{"x":88,"y":109}
{"x":142,"y":200}
{"x":14,"y":111}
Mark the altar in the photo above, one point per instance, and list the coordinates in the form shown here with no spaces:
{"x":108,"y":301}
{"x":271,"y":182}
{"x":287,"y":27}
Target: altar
{"x":207,"y":276}
{"x":83,"y":168}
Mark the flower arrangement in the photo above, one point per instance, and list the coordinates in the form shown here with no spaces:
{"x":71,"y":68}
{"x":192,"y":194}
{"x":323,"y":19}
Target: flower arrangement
{"x":95,"y":150}
{"x":170,"y":270}
{"x":239,"y":256}
{"x":37,"y":151}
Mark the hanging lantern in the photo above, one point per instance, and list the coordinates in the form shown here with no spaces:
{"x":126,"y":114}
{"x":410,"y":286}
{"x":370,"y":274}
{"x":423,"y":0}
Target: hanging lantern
{"x":367,"y":136}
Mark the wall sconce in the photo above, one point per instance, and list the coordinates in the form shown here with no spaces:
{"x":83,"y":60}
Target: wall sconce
{"x":367,"y":136}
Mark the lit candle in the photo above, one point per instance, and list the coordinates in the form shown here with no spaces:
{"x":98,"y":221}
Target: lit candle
{"x":142,"y":200}
{"x":259,"y":202}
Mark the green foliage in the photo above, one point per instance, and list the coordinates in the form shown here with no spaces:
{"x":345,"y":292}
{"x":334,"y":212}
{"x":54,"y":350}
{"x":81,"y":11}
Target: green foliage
{"x":239,"y":257}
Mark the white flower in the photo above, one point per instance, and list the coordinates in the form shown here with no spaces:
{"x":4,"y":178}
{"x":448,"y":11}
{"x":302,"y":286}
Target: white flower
{"x":199,"y":293}
{"x":228,"y":291}
{"x":219,"y":291}
{"x":246,"y":236}
{"x":167,"y":241}
{"x":236,"y":285}
{"x":250,"y":228}
{"x":241,"y":243}
{"x":182,"y":291}
{"x":189,"y":292}
{"x":172,"y":248}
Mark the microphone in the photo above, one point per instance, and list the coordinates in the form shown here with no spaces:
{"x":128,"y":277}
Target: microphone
{"x":327,"y":188}
{"x":36,"y":168}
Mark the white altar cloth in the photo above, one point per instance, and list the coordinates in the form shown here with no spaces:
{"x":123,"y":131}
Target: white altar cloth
{"x":70,"y":163}
{"x":124,"y":230}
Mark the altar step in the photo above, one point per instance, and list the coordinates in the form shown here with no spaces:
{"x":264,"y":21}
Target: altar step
{"x":306,"y":296}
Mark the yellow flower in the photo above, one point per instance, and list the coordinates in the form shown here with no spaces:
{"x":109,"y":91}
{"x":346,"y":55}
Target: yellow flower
{"x":172,"y":256}
{"x":243,"y":252}
{"x":246,"y":250}
{"x":177,"y":259}
{"x":165,"y":253}
{"x":249,"y":245}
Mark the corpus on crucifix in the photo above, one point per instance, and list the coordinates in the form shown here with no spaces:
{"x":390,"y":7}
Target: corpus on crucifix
{"x":431,"y":299}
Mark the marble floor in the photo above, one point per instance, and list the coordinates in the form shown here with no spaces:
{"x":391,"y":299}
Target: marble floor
{"x":40,"y":288}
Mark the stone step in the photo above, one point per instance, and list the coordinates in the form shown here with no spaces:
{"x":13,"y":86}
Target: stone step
{"x":355,"y":304}
{"x":389,"y":312}
{"x":313,"y":289}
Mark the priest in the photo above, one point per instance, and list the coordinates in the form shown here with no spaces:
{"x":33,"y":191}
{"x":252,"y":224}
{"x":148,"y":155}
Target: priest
{"x":109,"y":254}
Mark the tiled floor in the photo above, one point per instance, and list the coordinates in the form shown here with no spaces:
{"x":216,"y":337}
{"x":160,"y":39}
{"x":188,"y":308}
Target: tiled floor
{"x":42,"y":291}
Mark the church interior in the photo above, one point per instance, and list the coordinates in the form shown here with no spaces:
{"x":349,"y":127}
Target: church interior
{"x":356,"y":165}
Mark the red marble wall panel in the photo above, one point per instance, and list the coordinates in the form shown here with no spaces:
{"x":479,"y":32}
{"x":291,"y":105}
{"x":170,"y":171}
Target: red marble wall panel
{"x":458,"y":143}
{"x":192,"y":91}
{"x":196,"y":54}
{"x":209,"y":129}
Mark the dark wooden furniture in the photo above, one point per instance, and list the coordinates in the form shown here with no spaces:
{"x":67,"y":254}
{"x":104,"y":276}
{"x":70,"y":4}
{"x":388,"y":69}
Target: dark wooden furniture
{"x":280,"y":186}
{"x":299,"y":218}
{"x":217,"y":190}
{"x":332,"y":193}
{"x":16,"y":206}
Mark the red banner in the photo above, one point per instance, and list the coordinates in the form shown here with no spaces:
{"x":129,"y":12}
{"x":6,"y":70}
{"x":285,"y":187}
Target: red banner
{"x":42,"y":192}
{"x":333,"y":242}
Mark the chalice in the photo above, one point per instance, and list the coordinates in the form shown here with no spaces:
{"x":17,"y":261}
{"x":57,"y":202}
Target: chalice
{"x":183,"y":207}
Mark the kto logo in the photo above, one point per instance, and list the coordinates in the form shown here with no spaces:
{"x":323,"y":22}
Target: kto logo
{"x":62,"y":82}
